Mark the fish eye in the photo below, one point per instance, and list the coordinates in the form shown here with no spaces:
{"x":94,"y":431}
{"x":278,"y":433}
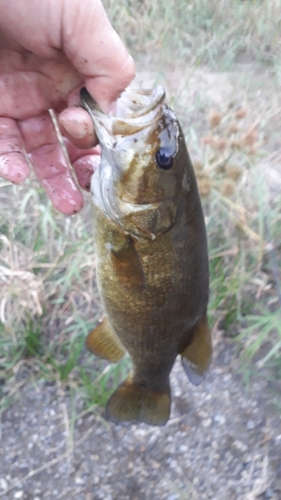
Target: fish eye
{"x":163,"y":159}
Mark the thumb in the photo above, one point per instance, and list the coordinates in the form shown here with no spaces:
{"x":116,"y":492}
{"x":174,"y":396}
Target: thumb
{"x":95,"y":49}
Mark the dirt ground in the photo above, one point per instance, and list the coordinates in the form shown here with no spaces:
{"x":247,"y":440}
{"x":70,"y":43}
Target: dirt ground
{"x":223,"y":441}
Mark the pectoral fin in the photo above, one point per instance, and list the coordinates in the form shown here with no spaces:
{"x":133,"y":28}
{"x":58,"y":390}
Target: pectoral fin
{"x":127,"y":265}
{"x":104,"y":343}
{"x":196,"y":357}
{"x":133,"y":403}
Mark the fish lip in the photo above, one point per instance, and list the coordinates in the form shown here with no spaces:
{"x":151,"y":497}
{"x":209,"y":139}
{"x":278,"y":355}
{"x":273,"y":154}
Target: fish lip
{"x":126,"y":121}
{"x":155,"y":97}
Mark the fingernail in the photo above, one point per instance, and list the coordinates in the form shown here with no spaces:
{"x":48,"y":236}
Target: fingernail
{"x":75,"y":128}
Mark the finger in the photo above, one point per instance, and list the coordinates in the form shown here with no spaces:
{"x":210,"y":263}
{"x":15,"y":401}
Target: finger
{"x":50,"y":164}
{"x":96,"y":51}
{"x":84,"y":168}
{"x":76,"y":124}
{"x":13,"y":164}
{"x":85,"y":163}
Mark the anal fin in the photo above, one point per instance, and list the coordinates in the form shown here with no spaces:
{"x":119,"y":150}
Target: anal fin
{"x":133,"y":403}
{"x":104,"y":343}
{"x":196,"y":357}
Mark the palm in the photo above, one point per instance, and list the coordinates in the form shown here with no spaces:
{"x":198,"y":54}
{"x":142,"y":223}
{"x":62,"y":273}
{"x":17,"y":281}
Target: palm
{"x":34,"y":84}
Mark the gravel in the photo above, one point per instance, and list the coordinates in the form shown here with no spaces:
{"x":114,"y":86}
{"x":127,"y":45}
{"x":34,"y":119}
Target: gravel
{"x":223,"y":441}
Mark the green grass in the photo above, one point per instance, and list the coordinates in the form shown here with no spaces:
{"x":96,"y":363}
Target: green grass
{"x":48,"y":297}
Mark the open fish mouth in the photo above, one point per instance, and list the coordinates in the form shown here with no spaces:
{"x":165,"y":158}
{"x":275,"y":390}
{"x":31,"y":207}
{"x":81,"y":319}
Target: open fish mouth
{"x":137,"y":103}
{"x":135,"y":111}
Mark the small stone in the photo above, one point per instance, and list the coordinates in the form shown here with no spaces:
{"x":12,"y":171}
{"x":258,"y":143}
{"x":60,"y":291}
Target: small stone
{"x":278,"y":439}
{"x":173,"y":464}
{"x":152,"y":440}
{"x":220,"y":419}
{"x":3,"y":484}
{"x":175,"y":496}
{"x":250,"y":425}
{"x":240,"y":446}
{"x":183,"y":447}
{"x":207,"y":423}
{"x":18,"y":494}
{"x":177,"y":393}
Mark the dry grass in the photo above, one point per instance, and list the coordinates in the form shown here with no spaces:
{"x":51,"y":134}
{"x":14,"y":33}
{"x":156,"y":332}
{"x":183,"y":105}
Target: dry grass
{"x":216,"y":32}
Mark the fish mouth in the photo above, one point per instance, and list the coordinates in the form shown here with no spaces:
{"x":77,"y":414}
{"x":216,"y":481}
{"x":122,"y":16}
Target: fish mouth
{"x":135,"y":111}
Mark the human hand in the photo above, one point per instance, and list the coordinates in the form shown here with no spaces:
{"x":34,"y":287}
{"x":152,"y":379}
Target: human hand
{"x":48,"y":50}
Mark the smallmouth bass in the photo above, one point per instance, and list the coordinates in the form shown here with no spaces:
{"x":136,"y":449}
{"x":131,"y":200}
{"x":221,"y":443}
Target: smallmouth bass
{"x":152,"y":257}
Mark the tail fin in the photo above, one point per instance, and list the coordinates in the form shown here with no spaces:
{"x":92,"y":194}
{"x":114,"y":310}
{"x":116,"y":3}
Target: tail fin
{"x":133,"y":403}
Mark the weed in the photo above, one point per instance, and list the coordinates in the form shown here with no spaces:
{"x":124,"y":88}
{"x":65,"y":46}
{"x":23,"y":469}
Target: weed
{"x":32,"y":339}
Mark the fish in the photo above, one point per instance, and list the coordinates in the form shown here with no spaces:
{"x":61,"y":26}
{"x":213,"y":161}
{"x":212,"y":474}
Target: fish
{"x":151,"y":254}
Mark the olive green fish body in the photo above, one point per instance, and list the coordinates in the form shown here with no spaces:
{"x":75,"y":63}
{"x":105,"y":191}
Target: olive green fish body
{"x":153,"y":317}
{"x":152,"y":275}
